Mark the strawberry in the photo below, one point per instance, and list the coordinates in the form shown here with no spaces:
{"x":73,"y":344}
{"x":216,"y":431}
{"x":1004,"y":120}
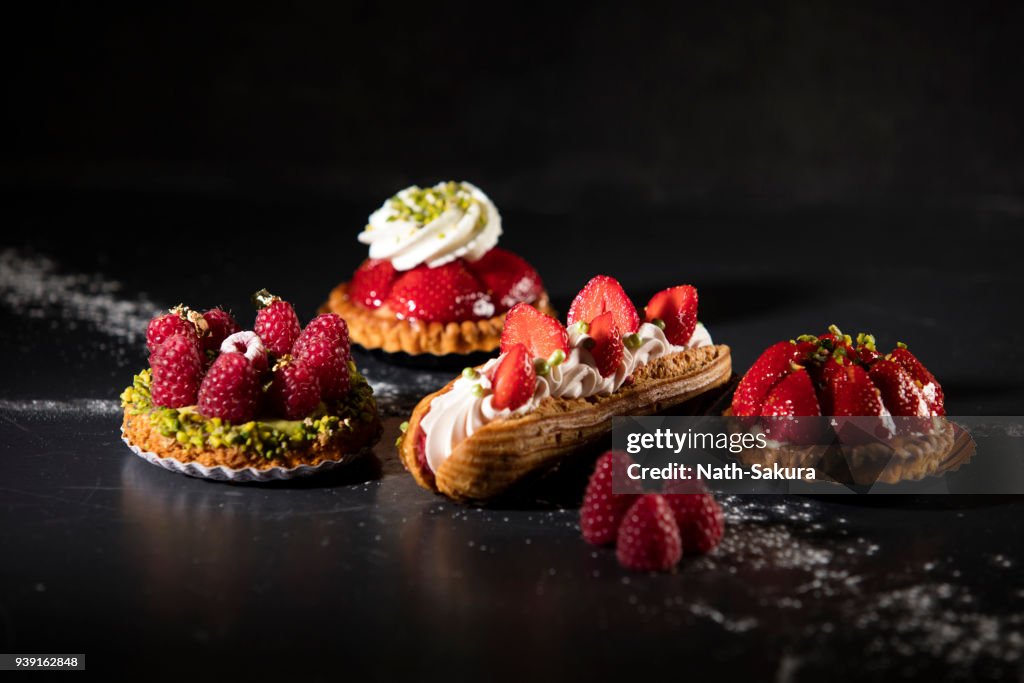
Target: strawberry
{"x":177,"y":371}
{"x":853,"y":393}
{"x":371,"y":283}
{"x":700,"y":521}
{"x":294,"y":391}
{"x":899,"y":391}
{"x":776,"y":362}
{"x":325,"y":359}
{"x":603,"y":509}
{"x":540,"y":333}
{"x":230,"y":389}
{"x":509,"y":278}
{"x":219,"y":326}
{"x":169,"y":324}
{"x":332,"y":327}
{"x":602,"y":294}
{"x":608,"y":348}
{"x":929,"y":385}
{"x":793,"y":397}
{"x":676,"y":308}
{"x":276,"y":323}
{"x":649,"y":536}
{"x":513,"y":379}
{"x":447,"y":293}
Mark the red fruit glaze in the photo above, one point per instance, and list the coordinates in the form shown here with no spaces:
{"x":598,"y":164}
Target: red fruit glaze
{"x":230,"y":389}
{"x":371,"y":283}
{"x":177,"y":371}
{"x":602,"y":294}
{"x":509,"y":279}
{"x":649,"y":536}
{"x":448,"y":293}
{"x":608,"y":348}
{"x":541,"y":334}
{"x":677,"y":308}
{"x":602,"y":510}
{"x":513,"y":379}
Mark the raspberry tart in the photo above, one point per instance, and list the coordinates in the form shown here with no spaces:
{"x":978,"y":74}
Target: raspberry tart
{"x":553,"y":389}
{"x":868,"y":417}
{"x":274,"y":402}
{"x":435,"y":282}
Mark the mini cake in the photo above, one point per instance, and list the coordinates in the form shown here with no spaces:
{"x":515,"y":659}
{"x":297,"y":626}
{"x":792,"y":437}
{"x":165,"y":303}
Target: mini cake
{"x":224,"y":403}
{"x":553,"y":390}
{"x":868,"y":417}
{"x":435,"y":282}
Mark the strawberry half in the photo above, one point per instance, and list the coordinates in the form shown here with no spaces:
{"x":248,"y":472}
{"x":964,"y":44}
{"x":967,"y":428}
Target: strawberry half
{"x":899,"y":391}
{"x":371,"y":283}
{"x":448,"y":293}
{"x":677,"y":308}
{"x":608,"y":348}
{"x":776,"y":362}
{"x":793,"y":397}
{"x":541,"y":334}
{"x":509,"y":278}
{"x":513,"y":379}
{"x":600,"y":295}
{"x":853,"y":393}
{"x":929,"y":385}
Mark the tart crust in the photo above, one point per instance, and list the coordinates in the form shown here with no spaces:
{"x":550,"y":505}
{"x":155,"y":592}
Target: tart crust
{"x":379,"y":329}
{"x":141,"y":432}
{"x":505,"y":451}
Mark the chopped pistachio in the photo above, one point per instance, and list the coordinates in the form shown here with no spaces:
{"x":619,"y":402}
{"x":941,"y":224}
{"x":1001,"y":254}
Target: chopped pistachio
{"x":632,"y":341}
{"x":557,"y":358}
{"x":541,"y":367}
{"x":470,"y":373}
{"x":659,"y":323}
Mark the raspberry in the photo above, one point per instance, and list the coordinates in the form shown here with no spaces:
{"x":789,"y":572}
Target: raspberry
{"x":249,"y":345}
{"x":167,"y":325}
{"x":276,"y":323}
{"x":295,"y":390}
{"x":219,"y":326}
{"x":602,"y":510}
{"x":177,"y":371}
{"x":230,"y":390}
{"x":332,"y":327}
{"x":699,"y":518}
{"x":326,"y":360}
{"x":649,"y":536}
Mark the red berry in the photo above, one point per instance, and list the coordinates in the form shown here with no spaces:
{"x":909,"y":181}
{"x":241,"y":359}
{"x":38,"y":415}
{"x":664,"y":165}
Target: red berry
{"x":167,"y":325}
{"x":603,"y":509}
{"x":700,"y":521}
{"x":540,"y":333}
{"x":220,"y":325}
{"x":900,"y":393}
{"x":230,"y":389}
{"x":509,"y":278}
{"x":649,"y":536}
{"x":276,"y":323}
{"x":448,"y":293}
{"x":513,"y":379}
{"x":294,"y":391}
{"x":793,"y":397}
{"x":677,"y":308}
{"x":925,"y":379}
{"x":608,"y":348}
{"x":326,"y":359}
{"x":371,"y":283}
{"x":332,"y":327}
{"x":602,"y":294}
{"x":776,"y":362}
{"x":177,"y":371}
{"x":851,"y":392}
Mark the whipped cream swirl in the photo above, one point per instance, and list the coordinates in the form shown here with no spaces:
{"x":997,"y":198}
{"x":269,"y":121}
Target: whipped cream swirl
{"x":457,"y":414}
{"x":433,"y":226}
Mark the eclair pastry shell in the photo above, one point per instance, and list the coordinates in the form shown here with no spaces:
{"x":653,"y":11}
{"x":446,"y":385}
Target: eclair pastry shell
{"x":506,"y":450}
{"x":378,"y":330}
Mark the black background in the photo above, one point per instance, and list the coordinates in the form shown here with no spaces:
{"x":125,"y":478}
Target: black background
{"x":801,"y":163}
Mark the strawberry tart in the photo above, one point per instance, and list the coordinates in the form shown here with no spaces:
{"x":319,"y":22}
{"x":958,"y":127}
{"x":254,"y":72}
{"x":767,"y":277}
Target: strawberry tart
{"x":435,"y":282}
{"x":867,"y":417}
{"x":554,"y":389}
{"x":273,"y":402}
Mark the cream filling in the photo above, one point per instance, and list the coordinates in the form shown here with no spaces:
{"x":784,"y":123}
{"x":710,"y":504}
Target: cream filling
{"x":458,"y":414}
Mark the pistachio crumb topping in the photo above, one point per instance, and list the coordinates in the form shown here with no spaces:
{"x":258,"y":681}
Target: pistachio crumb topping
{"x":425,"y":205}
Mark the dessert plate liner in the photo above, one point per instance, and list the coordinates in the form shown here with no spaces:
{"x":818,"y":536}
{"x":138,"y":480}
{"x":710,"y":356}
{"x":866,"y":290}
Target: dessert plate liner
{"x":238,"y":476}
